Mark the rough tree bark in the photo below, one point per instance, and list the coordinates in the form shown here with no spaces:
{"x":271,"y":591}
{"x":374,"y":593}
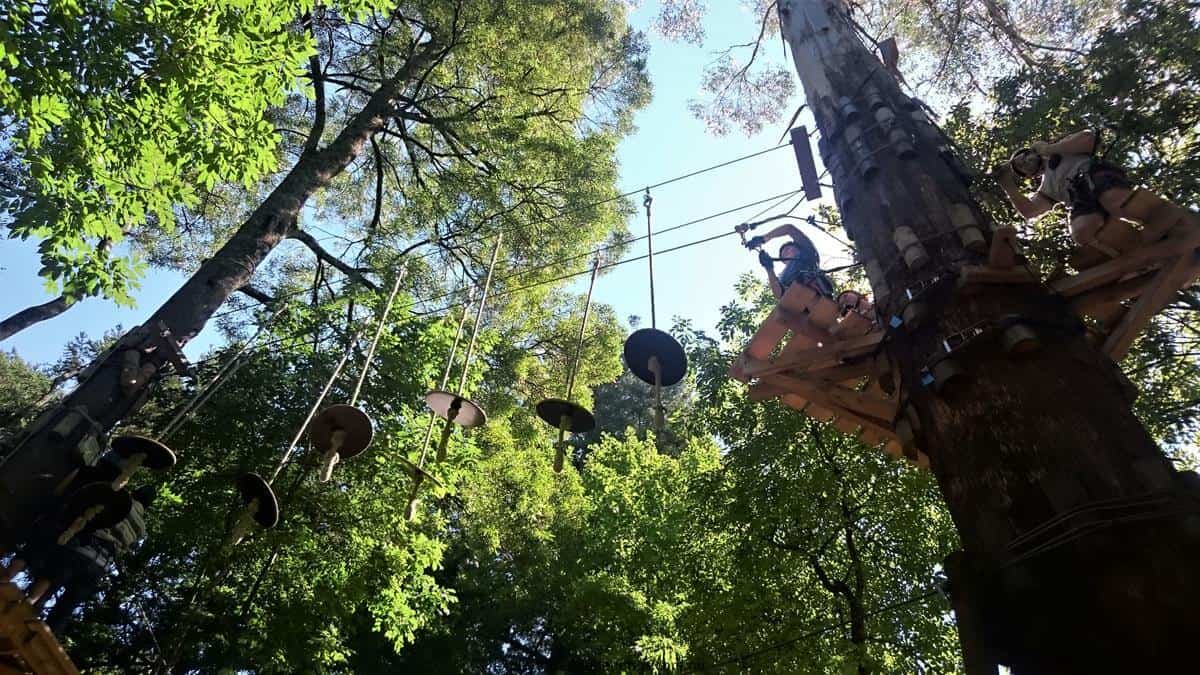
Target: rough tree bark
{"x":1081,"y":536}
{"x":62,"y":437}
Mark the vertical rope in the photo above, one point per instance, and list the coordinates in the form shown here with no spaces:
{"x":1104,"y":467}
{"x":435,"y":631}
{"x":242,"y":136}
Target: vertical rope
{"x":646,"y":202}
{"x":587,"y":310}
{"x":387,"y":309}
{"x":462,"y":322}
{"x":217,"y":382}
{"x":312,"y":412}
{"x":487,"y":285}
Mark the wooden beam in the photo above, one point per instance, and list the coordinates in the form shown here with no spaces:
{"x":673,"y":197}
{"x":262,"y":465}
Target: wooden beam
{"x":815,"y":359}
{"x":829,"y":394}
{"x":1162,"y":291}
{"x":1003,"y":253}
{"x":972,"y":275}
{"x":1088,"y":302}
{"x":1126,"y":264}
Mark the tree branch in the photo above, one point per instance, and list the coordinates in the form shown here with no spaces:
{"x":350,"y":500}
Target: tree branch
{"x":313,"y":245}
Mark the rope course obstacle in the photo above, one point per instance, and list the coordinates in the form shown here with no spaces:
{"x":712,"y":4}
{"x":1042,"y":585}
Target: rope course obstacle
{"x":454,"y":407}
{"x":653,"y":355}
{"x":563,"y":413}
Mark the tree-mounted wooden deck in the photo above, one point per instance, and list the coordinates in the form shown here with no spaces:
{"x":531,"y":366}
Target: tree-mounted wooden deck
{"x":825,"y":360}
{"x":26,"y":643}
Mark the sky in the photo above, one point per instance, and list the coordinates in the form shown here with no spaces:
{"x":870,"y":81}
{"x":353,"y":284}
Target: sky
{"x":691,"y":284}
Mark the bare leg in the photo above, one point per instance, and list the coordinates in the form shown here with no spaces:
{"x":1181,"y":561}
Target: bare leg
{"x":1116,"y":200}
{"x":1084,"y":229}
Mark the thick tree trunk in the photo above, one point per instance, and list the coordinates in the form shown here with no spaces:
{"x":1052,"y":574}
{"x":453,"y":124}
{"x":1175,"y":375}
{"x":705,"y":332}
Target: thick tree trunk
{"x":1071,"y":511}
{"x":33,"y":314}
{"x":63,"y":437}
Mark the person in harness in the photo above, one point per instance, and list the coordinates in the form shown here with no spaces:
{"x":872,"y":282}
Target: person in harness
{"x":1091,"y":187}
{"x":803,"y":263}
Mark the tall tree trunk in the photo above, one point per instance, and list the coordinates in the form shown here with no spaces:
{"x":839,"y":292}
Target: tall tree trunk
{"x":1026,"y":439}
{"x":51,"y":447}
{"x":33,"y":314}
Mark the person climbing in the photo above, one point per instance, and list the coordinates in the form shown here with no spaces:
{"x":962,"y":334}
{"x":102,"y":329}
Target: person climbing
{"x":81,"y":566}
{"x":803,"y":261}
{"x":1092,"y":188}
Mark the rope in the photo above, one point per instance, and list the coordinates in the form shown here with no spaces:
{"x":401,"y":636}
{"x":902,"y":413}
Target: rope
{"x":387,"y":309}
{"x":227,"y":371}
{"x":312,"y":412}
{"x":462,"y":322}
{"x":548,"y":219}
{"x":646,"y":202}
{"x":587,"y":310}
{"x":487,"y":286}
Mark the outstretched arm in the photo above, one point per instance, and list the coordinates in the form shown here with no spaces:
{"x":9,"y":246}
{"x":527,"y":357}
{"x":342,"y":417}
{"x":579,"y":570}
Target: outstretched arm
{"x":1078,"y":143}
{"x":1029,"y":206}
{"x":783,"y":231}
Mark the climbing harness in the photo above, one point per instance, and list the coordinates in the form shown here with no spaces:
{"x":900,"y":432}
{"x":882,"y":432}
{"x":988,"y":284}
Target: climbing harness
{"x":563,"y":413}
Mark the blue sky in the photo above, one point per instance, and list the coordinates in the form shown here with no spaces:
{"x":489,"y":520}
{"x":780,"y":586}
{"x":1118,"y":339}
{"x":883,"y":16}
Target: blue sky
{"x":669,"y":142}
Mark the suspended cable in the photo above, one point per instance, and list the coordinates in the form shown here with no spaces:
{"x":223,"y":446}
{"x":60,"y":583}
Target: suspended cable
{"x":557,"y":215}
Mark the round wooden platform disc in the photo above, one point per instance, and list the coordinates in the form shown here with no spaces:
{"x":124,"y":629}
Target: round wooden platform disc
{"x":648,"y":342}
{"x":579,"y":419}
{"x":355,"y":422}
{"x":158,"y":456}
{"x":470,"y":414}
{"x":251,"y":485}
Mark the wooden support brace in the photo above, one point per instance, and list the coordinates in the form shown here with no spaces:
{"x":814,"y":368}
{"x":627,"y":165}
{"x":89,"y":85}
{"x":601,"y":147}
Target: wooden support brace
{"x":973,"y":275}
{"x":1132,"y":262}
{"x":829,"y":394}
{"x":1003,"y":253}
{"x":1165,"y":284}
{"x":815,"y":359}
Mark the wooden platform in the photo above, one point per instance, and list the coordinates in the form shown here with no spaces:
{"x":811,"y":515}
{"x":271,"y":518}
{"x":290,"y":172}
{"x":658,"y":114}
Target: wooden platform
{"x":1123,"y":293}
{"x":26,"y":643}
{"x":824,"y":361}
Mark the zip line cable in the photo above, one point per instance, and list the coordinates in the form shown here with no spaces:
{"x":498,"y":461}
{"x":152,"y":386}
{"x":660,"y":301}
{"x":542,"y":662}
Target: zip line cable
{"x":775,"y":199}
{"x":301,"y":335}
{"x":556,"y":216}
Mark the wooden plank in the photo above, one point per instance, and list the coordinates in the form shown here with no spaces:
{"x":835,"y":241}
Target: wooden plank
{"x":1003,"y":253}
{"x":805,"y":162}
{"x":766,"y":337}
{"x":1131,"y":262}
{"x":1163,"y":290}
{"x":971,"y":275}
{"x":828,"y":394}
{"x":818,"y":358}
{"x":801,"y":300}
{"x":1105,"y":296}
{"x":852,"y":324}
{"x":802,"y":326}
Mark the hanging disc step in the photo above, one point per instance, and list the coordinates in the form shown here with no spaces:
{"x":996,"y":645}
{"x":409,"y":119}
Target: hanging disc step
{"x":552,"y":411}
{"x":252,"y":486}
{"x":651,"y":342}
{"x":115,"y":506}
{"x":461,"y":411}
{"x":156,"y":455}
{"x":353,"y":421}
